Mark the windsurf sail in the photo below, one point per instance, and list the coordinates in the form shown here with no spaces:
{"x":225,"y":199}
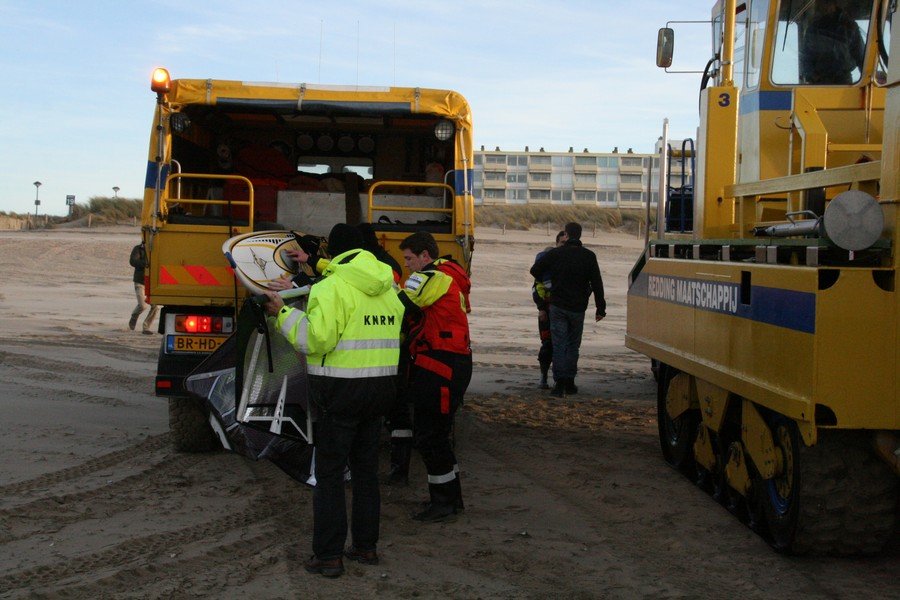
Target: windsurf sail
{"x":256,"y":389}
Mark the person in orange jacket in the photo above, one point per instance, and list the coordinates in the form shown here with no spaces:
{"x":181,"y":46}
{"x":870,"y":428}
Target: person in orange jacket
{"x":439,"y":372}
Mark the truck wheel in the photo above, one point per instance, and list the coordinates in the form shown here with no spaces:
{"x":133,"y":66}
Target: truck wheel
{"x":676,"y":436}
{"x":782,"y":509}
{"x":189,"y":426}
{"x":834,"y":498}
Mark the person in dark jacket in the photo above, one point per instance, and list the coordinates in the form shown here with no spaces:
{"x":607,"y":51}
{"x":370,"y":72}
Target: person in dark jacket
{"x":138,"y":260}
{"x":832,"y":47}
{"x":540,"y":294}
{"x":575,"y":275}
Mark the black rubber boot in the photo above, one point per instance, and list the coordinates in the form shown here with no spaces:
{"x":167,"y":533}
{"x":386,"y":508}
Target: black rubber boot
{"x":571,"y":388}
{"x":442,"y":506}
{"x":401,"y":451}
{"x":559,"y":389}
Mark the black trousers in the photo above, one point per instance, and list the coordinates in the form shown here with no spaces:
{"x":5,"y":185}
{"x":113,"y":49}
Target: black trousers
{"x":347,"y":432}
{"x":438,"y":382}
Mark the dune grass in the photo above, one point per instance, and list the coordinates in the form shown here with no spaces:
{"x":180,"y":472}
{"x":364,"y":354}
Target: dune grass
{"x":110,"y":211}
{"x":524,"y":217}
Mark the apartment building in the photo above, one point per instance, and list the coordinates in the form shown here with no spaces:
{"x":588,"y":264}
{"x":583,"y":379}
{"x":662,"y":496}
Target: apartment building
{"x":608,"y":179}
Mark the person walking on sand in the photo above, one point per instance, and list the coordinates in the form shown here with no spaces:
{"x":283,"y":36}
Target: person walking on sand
{"x":575,"y":274}
{"x":350,"y":333}
{"x":540,"y":294}
{"x":138,"y":260}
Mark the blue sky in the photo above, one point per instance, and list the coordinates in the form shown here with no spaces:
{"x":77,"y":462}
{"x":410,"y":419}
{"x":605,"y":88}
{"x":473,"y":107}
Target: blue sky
{"x":75,"y":108}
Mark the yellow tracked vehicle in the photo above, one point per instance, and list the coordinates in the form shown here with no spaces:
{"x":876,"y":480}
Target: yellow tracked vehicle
{"x":232,"y":157}
{"x":773,"y":323}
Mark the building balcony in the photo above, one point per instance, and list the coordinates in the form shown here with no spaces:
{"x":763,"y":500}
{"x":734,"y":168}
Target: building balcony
{"x":540,"y":168}
{"x":539,"y":185}
{"x":630,"y":187}
{"x":494,"y":185}
{"x":631,"y":204}
{"x":585,"y":168}
{"x":638,"y":168}
{"x":585,"y":186}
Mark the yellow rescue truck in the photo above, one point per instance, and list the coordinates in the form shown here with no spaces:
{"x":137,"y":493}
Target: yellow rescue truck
{"x":231,"y":157}
{"x":774,"y":320}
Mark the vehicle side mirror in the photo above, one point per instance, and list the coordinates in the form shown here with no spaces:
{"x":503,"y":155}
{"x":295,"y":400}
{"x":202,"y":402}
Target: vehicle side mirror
{"x":665,"y":47}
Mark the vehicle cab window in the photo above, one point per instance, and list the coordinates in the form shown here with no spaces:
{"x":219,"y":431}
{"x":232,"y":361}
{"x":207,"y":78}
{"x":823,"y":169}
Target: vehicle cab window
{"x":822,"y":42}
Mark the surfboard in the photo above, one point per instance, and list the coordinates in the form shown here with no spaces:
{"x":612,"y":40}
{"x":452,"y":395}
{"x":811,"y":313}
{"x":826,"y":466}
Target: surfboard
{"x":258,"y":258}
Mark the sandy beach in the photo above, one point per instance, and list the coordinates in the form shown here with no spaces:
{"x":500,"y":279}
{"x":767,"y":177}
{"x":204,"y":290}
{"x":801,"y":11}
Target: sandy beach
{"x":565,"y":498}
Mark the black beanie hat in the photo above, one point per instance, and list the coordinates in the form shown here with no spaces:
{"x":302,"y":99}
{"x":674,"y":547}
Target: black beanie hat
{"x":344,"y":237}
{"x":370,"y":238}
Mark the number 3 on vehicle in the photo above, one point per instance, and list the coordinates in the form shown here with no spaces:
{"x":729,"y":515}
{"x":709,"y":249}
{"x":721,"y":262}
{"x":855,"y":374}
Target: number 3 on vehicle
{"x":724,"y":100}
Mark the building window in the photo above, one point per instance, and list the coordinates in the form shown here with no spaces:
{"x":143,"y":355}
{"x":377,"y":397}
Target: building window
{"x":631,"y":196}
{"x":538,"y":194}
{"x":561,"y":161}
{"x":516,"y":178}
{"x":516,"y":196}
{"x":586,"y":196}
{"x":561,"y":180}
{"x":608,"y":180}
{"x":494,"y":176}
{"x":539,"y":160}
{"x":495,"y":159}
{"x":478,"y":159}
{"x":539,"y":176}
{"x":494,"y":194}
{"x":561,"y":196}
{"x":517,"y":160}
{"x":586,"y":161}
{"x":632,"y":161}
{"x":630,"y":178}
{"x":588,"y":178}
{"x":606,"y":198}
{"x":607,"y":162}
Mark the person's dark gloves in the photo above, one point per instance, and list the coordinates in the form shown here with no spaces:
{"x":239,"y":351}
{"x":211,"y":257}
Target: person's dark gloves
{"x":310,"y":245}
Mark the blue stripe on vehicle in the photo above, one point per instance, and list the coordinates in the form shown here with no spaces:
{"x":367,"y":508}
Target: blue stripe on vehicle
{"x":765,"y":100}
{"x":459,"y":183}
{"x":150,"y":181}
{"x":790,"y":309}
{"x":783,"y":308}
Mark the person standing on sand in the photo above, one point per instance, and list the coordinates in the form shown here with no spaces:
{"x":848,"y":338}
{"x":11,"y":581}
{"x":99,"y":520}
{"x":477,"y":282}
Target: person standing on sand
{"x":138,"y":260}
{"x":540,"y":294}
{"x":350,"y":333}
{"x":439,"y":374}
{"x":575,"y":275}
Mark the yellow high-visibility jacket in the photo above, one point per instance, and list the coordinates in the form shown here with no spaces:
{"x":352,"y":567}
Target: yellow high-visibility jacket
{"x":351,"y":326}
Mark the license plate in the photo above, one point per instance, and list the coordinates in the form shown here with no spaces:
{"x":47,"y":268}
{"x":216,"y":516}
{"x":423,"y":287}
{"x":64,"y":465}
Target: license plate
{"x":194,"y":343}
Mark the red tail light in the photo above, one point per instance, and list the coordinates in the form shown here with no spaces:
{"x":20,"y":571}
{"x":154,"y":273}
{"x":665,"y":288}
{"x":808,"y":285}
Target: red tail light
{"x":198,"y":324}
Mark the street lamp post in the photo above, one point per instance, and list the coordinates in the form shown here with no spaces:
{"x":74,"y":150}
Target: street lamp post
{"x":116,"y":191}
{"x":37,"y":202}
